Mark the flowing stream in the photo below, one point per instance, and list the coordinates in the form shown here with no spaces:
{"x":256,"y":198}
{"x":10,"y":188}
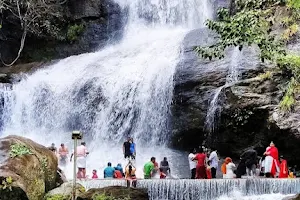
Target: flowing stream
{"x":215,"y":105}
{"x":124,"y":89}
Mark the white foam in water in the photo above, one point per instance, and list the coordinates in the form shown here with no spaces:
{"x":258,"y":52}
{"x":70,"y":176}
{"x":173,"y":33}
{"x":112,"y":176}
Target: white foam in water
{"x":123,"y":89}
{"x":237,"y":195}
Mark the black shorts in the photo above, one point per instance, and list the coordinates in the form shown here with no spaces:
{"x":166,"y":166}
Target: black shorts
{"x":129,"y":156}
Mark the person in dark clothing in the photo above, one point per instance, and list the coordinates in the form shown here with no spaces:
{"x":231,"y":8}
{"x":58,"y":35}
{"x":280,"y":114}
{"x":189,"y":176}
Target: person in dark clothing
{"x":164,"y":166}
{"x":250,"y":157}
{"x":126,"y":148}
{"x":53,"y":148}
{"x":241,"y":169}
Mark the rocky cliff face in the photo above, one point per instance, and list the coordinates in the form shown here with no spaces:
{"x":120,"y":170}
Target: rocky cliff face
{"x":85,"y":26}
{"x":247,"y":114}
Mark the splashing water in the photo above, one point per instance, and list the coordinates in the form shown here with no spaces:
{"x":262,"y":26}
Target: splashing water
{"x":125,"y":89}
{"x":215,"y":106}
{"x":213,"y":189}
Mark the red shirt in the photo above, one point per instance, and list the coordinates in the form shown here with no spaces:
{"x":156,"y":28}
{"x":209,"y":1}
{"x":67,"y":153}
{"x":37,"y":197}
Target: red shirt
{"x":200,"y":157}
{"x":94,"y":176}
{"x":118,"y":174}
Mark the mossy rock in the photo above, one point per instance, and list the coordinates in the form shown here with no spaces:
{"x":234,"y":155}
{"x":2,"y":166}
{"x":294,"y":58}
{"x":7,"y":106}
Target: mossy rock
{"x":64,"y":192}
{"x":115,"y":193}
{"x":31,"y":176}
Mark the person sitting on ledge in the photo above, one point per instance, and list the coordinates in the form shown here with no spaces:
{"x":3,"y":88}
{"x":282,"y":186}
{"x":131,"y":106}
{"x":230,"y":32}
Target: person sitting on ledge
{"x":94,"y":176}
{"x":109,"y":171}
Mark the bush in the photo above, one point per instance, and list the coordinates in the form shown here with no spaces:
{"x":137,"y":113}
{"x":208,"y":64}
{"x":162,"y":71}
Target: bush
{"x":74,"y":31}
{"x":18,"y":150}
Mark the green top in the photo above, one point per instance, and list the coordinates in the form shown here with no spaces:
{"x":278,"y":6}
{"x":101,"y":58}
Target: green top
{"x":148,"y":167}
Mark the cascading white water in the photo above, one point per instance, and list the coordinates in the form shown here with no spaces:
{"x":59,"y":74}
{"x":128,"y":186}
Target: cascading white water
{"x":215,"y":106}
{"x":213,"y":189}
{"x":125,"y":89}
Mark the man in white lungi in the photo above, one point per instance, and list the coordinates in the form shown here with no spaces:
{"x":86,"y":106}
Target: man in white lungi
{"x":82,"y":152}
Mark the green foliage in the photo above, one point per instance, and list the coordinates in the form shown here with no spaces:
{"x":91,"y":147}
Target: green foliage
{"x":6,"y":183}
{"x":107,"y":197}
{"x":44,"y":164}
{"x":256,"y":4}
{"x":74,"y":31}
{"x":57,"y":197}
{"x":294,"y":4}
{"x":18,"y":150}
{"x":288,"y":100}
{"x":265,"y":76}
{"x":245,"y":28}
{"x":291,"y":63}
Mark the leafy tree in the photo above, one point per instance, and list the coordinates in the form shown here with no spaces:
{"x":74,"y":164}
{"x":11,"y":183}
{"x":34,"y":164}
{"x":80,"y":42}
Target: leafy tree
{"x":38,"y":17}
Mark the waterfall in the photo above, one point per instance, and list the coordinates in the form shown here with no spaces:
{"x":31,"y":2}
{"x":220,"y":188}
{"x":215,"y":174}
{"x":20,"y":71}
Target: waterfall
{"x":215,"y":105}
{"x":124,"y":89}
{"x":170,"y":189}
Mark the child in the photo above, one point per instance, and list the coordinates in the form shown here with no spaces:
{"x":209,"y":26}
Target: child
{"x":95,"y":176}
{"x":208,"y":170}
{"x":162,"y":174}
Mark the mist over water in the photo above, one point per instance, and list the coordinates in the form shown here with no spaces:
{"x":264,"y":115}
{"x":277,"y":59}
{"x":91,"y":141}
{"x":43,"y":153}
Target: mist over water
{"x":124,"y":89}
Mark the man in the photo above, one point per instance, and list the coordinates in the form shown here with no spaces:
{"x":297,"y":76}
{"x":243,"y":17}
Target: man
{"x":250,"y":157}
{"x":82,"y":152}
{"x":284,"y":171}
{"x":271,"y":161}
{"x":164,"y":166}
{"x":109,"y":171}
{"x":192,"y":163}
{"x":126,"y":148}
{"x":214,"y":160}
{"x":148,"y":168}
{"x":63,"y":154}
{"x":53,"y":148}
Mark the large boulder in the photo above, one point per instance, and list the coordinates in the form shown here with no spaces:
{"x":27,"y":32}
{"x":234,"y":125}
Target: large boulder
{"x":196,"y":82}
{"x":27,"y":170}
{"x":64,"y":191}
{"x":117,"y":192}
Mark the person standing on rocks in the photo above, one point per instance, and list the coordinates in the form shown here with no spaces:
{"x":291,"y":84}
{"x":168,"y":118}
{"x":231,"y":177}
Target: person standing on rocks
{"x":148,"y":168}
{"x":63,"y":154}
{"x":53,"y":148}
{"x":271,"y":161}
{"x":284,"y":170}
{"x":201,"y":164}
{"x":192,"y":163}
{"x":250,"y":157}
{"x":214,"y":160}
{"x":164,"y":166}
{"x":126,"y":149}
{"x":82,"y":152}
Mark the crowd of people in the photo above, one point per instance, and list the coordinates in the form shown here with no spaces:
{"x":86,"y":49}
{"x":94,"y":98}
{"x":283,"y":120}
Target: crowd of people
{"x":204,"y":164}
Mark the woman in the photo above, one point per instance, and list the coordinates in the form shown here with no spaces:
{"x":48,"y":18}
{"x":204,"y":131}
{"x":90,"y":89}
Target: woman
{"x":130,"y":175}
{"x":229,"y":168}
{"x":223,"y":167}
{"x":201,"y":165}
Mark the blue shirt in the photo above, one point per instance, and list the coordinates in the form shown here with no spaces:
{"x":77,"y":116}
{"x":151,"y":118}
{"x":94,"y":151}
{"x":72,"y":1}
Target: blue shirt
{"x":109,"y":172}
{"x":132,"y":148}
{"x":118,"y":167}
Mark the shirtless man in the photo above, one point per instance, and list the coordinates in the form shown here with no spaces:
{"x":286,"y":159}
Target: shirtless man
{"x":82,"y":152}
{"x":63,"y":154}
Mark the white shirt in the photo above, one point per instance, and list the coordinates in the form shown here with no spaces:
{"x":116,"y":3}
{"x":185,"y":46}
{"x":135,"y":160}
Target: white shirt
{"x":229,"y":170}
{"x":191,"y":162}
{"x":213,"y":157}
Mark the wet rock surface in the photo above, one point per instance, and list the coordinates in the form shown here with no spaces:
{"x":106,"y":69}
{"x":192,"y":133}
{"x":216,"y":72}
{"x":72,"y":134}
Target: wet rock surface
{"x":248,"y":113}
{"x":27,"y":169}
{"x":102,"y":21}
{"x":116,"y":192}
